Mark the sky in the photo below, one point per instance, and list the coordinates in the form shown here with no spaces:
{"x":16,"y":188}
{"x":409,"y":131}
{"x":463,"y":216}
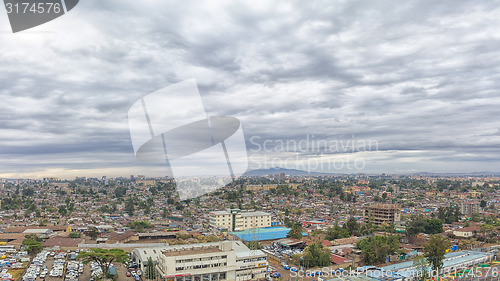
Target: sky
{"x":332,"y":86}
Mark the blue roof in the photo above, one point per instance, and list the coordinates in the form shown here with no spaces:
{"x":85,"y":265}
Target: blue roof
{"x":262,"y":234}
{"x":452,"y":259}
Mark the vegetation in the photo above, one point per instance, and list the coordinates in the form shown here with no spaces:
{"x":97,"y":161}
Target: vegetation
{"x":316,"y":255}
{"x":254,"y":245}
{"x":419,"y":224}
{"x":74,"y":235}
{"x":139,"y":226}
{"x":103,"y":257}
{"x":32,"y":244}
{"x":375,"y":249}
{"x":435,"y":249}
{"x":150,"y":271}
{"x":295,"y":232}
{"x":421,"y":265}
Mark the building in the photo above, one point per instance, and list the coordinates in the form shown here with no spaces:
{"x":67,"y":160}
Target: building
{"x":264,"y":187}
{"x":145,"y":182}
{"x":227,"y":260}
{"x":40,"y":232}
{"x":380,"y":213}
{"x":468,"y":208}
{"x":234,"y":220}
{"x":466,"y":232}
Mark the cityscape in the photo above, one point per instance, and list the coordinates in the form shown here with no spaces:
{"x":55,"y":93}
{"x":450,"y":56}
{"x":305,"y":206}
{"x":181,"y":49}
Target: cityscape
{"x":277,"y":226}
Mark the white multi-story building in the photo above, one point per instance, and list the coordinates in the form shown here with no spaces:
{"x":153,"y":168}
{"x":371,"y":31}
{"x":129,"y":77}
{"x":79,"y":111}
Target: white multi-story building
{"x":234,"y":220}
{"x":227,"y":260}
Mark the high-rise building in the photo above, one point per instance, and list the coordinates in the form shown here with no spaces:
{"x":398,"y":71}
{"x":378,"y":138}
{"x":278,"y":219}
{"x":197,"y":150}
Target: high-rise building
{"x":380,"y":213}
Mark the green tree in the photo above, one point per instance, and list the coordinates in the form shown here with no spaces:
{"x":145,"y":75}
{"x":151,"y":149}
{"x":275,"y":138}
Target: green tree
{"x":129,"y":206}
{"x":416,"y":224}
{"x":32,"y":244}
{"x":74,"y":235}
{"x":434,"y":226}
{"x":336,"y":232}
{"x":103,"y":257}
{"x":422,"y":267}
{"x":482,"y":204}
{"x":295,"y":232}
{"x":435,"y":249}
{"x":150,"y":271}
{"x":316,"y":255}
{"x":352,"y":226}
{"x":93,"y":232}
{"x":62,"y":210}
{"x":475,"y":217}
{"x":254,"y":245}
{"x":375,"y":249}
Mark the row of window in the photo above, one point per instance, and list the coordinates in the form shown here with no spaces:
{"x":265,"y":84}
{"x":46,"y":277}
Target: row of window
{"x":199,"y":266}
{"x":254,"y":259}
{"x":202,"y":259}
{"x":204,"y":277}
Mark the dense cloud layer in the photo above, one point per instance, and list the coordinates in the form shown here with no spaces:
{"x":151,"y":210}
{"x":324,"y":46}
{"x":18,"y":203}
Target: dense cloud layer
{"x":420,"y":79}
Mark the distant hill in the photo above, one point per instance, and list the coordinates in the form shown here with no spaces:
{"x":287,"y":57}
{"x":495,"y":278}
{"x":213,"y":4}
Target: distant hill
{"x":290,"y":172}
{"x":294,"y":172}
{"x":474,"y":174}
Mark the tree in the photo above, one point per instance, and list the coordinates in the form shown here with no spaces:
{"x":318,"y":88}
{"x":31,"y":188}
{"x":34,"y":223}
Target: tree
{"x":375,"y":249}
{"x":316,"y":255}
{"x":336,"y":232}
{"x":295,"y":232}
{"x":103,"y":257}
{"x":74,"y":235}
{"x":352,"y":226}
{"x":62,"y":210}
{"x":32,"y":244}
{"x":434,"y":226}
{"x":129,"y":207}
{"x":435,"y":249}
{"x":475,"y":217}
{"x":254,"y":245}
{"x":422,"y":267}
{"x":150,"y":271}
{"x":415,"y":224}
{"x":482,"y":204}
{"x":92,"y":232}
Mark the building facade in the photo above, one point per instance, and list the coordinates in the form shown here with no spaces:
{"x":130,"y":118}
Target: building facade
{"x":381,"y":213}
{"x":468,"y":208}
{"x":227,"y":260}
{"x":235,"y":220}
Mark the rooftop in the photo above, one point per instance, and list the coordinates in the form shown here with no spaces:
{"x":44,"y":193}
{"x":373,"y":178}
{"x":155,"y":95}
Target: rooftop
{"x":189,"y":251}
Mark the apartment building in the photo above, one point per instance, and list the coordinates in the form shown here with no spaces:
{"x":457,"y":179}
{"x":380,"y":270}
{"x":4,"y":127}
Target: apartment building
{"x":227,"y":260}
{"x":468,"y":208}
{"x":234,"y":220}
{"x":381,"y":213}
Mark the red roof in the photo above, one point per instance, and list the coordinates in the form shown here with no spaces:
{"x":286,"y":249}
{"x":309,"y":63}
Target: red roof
{"x":327,"y":243}
{"x":339,"y":260}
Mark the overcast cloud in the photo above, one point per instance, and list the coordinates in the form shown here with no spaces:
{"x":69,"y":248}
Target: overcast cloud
{"x":420,"y":79}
